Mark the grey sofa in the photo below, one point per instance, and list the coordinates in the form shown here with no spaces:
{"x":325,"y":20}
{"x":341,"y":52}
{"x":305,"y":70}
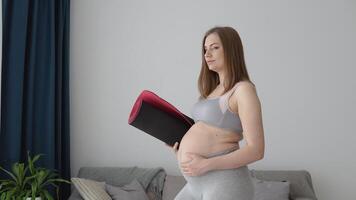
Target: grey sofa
{"x":301,"y":187}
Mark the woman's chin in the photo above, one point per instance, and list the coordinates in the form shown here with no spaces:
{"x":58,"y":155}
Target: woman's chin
{"x":214,"y":68}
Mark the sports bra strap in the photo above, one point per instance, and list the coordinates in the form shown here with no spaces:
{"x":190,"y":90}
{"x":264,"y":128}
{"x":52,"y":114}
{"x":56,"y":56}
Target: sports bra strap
{"x":225,"y":100}
{"x":229,"y":94}
{"x":233,"y":89}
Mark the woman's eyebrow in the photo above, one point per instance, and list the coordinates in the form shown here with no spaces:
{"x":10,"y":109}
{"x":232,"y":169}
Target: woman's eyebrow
{"x":211,"y":44}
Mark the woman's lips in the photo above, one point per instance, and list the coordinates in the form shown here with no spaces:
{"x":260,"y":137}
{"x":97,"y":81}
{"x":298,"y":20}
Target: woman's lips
{"x":210,"y":61}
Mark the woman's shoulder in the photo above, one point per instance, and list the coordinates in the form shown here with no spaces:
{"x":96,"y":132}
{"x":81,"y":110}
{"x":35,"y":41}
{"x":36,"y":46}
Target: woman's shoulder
{"x":244,"y":88}
{"x":245,"y":84}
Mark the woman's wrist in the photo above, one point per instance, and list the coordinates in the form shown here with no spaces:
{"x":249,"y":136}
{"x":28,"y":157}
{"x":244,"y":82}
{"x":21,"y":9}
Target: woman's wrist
{"x":210,"y":164}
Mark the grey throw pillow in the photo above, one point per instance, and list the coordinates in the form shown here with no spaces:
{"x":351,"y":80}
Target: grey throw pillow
{"x":271,"y":190}
{"x":90,"y":190}
{"x":131,"y":191}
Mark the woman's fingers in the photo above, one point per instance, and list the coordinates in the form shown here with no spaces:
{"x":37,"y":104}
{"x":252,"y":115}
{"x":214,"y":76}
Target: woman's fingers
{"x":175,"y":146}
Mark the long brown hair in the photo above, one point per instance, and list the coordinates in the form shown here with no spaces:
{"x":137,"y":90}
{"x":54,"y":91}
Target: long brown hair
{"x":234,"y":60}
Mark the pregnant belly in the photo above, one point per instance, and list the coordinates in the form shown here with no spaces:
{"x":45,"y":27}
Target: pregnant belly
{"x":204,"y":139}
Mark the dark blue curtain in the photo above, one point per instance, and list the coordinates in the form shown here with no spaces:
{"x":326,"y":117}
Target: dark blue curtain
{"x":35,"y":84}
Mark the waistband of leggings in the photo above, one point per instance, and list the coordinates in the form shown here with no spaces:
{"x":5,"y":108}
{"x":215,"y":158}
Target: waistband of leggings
{"x":219,"y":153}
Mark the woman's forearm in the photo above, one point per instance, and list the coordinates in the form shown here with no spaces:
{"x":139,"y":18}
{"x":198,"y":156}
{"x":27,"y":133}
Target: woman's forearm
{"x":235,"y":159}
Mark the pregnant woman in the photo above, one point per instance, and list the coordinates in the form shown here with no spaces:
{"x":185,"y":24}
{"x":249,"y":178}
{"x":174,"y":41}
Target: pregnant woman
{"x":228,"y":111}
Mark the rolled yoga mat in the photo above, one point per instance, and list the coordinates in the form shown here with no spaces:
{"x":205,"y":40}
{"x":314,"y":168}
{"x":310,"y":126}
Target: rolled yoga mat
{"x":158,"y":118}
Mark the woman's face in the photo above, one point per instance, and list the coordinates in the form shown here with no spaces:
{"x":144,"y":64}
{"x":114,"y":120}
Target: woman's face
{"x":214,"y":53}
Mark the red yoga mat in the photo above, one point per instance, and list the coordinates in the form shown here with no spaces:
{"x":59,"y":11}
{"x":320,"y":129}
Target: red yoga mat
{"x":158,"y":118}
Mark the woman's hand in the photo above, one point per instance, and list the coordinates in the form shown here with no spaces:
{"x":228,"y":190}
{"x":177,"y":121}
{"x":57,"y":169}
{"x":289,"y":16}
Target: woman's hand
{"x":174,"y":148}
{"x":198,"y":165}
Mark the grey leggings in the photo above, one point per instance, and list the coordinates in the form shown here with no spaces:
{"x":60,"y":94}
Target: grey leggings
{"x":230,"y":184}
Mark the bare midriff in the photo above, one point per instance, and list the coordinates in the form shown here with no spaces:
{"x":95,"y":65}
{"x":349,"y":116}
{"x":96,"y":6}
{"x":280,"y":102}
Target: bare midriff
{"x":205,"y":139}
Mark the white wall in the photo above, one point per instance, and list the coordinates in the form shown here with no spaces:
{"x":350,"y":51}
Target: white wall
{"x":300,"y":54}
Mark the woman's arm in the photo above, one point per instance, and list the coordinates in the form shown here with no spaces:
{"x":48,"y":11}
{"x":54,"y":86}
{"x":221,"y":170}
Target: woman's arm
{"x":249,"y":109}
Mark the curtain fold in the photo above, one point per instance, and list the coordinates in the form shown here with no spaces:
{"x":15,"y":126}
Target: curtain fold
{"x":35,"y":84}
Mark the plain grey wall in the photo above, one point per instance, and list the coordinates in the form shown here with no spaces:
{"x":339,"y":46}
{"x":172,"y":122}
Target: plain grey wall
{"x":300,"y":55}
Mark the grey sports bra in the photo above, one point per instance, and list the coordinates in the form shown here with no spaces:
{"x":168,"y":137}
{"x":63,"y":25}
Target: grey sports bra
{"x":215,"y":111}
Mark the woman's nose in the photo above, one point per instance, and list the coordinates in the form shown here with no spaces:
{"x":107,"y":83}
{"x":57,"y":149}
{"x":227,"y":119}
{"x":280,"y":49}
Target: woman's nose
{"x":207,"y":53}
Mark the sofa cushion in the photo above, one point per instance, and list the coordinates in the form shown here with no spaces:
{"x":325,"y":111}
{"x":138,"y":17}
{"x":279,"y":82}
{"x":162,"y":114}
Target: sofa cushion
{"x":271,"y":190}
{"x":172,"y":185}
{"x":300,"y":181}
{"x":75,"y":195}
{"x":90,"y":190}
{"x":151,"y":179}
{"x":134,"y":190}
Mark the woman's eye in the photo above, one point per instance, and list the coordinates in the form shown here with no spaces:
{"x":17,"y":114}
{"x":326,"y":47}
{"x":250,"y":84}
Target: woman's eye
{"x":211,"y":48}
